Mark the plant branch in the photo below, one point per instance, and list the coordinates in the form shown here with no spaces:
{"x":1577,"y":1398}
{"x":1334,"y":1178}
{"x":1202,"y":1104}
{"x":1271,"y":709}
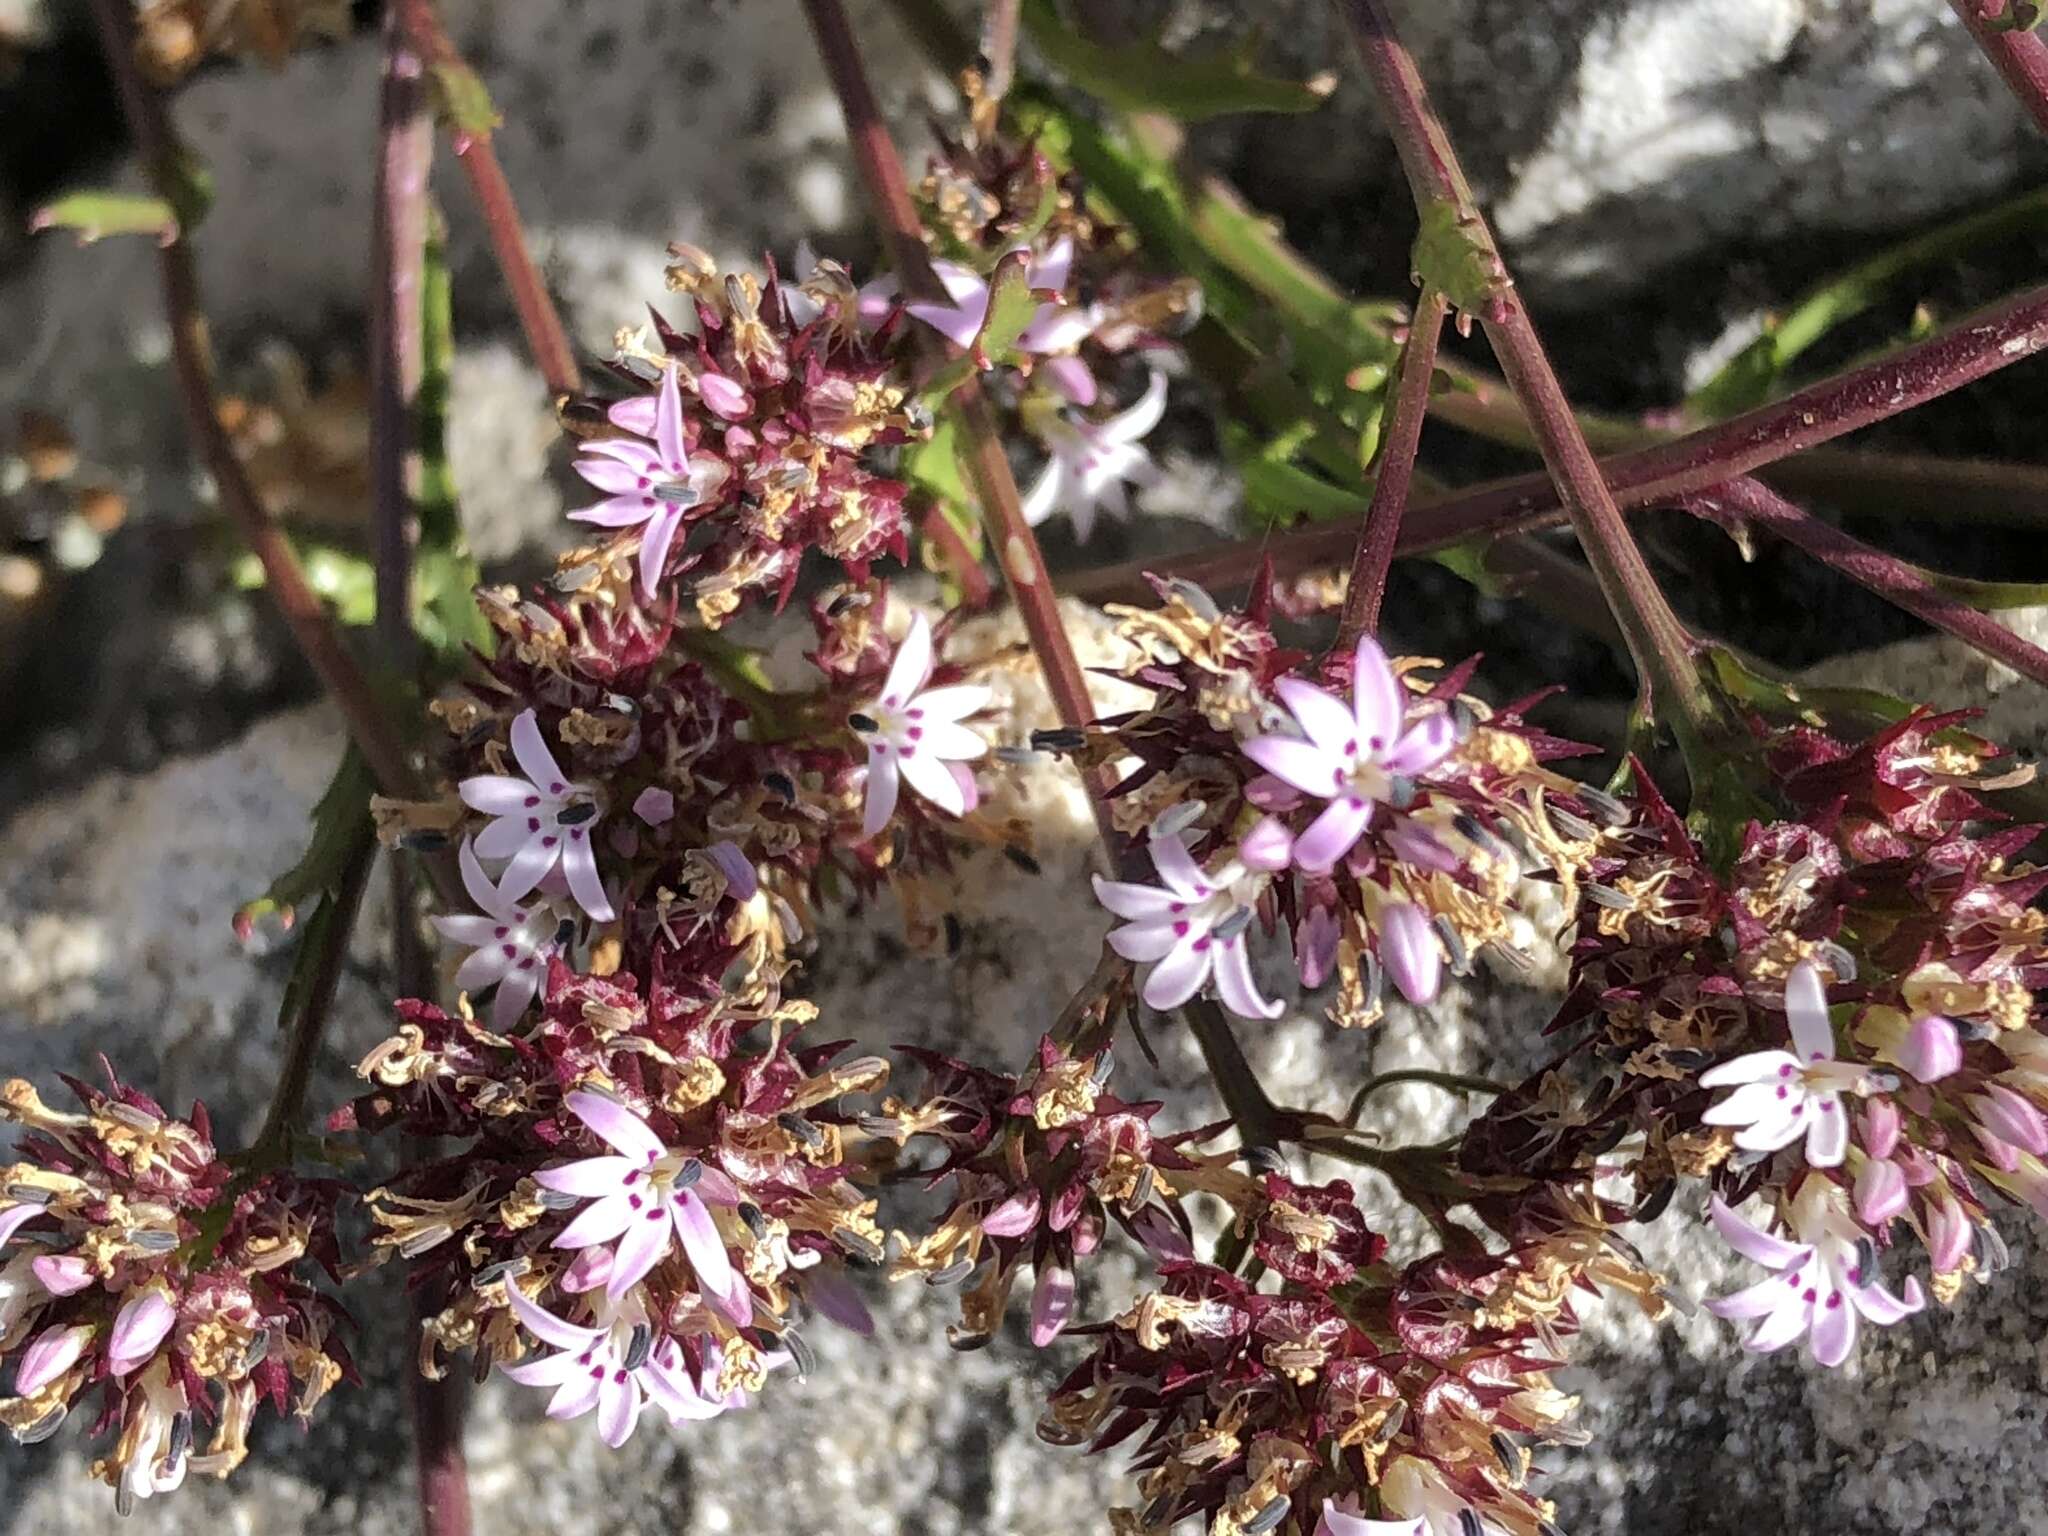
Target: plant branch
{"x":1380,"y":533}
{"x":1996,"y":338}
{"x":315,"y":633}
{"x":472,"y":118}
{"x":1672,"y":682}
{"x":2020,"y":56}
{"x":1897,"y":581}
{"x":437,"y":1413}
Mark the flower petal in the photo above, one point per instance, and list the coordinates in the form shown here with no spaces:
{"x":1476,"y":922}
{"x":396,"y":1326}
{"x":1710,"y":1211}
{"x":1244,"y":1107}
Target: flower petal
{"x":1334,"y":833}
{"x":1052,"y":1303}
{"x":547,"y":1371}
{"x":912,"y":666}
{"x":1750,"y":1103}
{"x":599,"y":1222}
{"x":1177,"y":867}
{"x":579,"y":868}
{"x":547,"y":1327}
{"x":1425,"y":744}
{"x":702,"y":1245}
{"x":1144,"y":943}
{"x":884,"y":784}
{"x":946,"y":705}
{"x":1135,"y":901}
{"x":617,"y":1125}
{"x":1879,"y":1305}
{"x":531,"y":749}
{"x":644,"y":1241}
{"x":1324,"y":719}
{"x":1043,"y":499}
{"x":49,"y":1355}
{"x":15,"y":1217}
{"x":1753,"y":1243}
{"x":930,"y":777}
{"x":590,"y":1179}
{"x":1178,"y":977}
{"x":654,"y":547}
{"x":1827,"y":1134}
{"x":1411,"y":953}
{"x":1378,"y":700}
{"x":1756,"y":1067}
{"x":139,"y":1327}
{"x":498,"y":794}
{"x":1234,"y":984}
{"x":1806,"y":1010}
{"x":1834,"y":1329}
{"x":1300,"y":763}
{"x":618,"y":1407}
{"x":668,"y":420}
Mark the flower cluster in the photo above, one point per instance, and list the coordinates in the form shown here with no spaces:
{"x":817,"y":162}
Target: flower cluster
{"x":142,"y":1273}
{"x":1354,"y":1399}
{"x":756,"y":432}
{"x":1843,"y":1024}
{"x":637,"y":1188}
{"x":1387,"y":826}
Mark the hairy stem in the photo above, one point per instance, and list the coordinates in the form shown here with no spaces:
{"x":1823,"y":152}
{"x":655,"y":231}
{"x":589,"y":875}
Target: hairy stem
{"x":314,"y":632}
{"x":1895,"y":580}
{"x":1380,"y":534}
{"x":2021,"y":57}
{"x":545,"y":336}
{"x":1672,"y":682}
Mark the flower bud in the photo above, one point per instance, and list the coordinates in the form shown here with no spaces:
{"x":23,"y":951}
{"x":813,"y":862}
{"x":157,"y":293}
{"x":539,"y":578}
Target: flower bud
{"x":1410,"y":952}
{"x":1931,"y":1050}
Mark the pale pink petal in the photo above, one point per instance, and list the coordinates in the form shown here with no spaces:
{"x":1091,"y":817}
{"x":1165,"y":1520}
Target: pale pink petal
{"x":1338,"y":1521}
{"x":1932,"y":1049}
{"x":1334,"y":833}
{"x":1324,"y":719}
{"x":661,"y":532}
{"x":958,"y":323}
{"x":547,"y":1327}
{"x":930,"y":778}
{"x":578,"y":1395}
{"x":1780,"y":1328}
{"x":1143,"y":943}
{"x":548,"y":1371}
{"x":1806,"y":1010}
{"x":642,"y":458}
{"x":1234,"y":984}
{"x":1827,"y":1136}
{"x":63,"y":1274}
{"x":590,"y":1179}
{"x":1378,"y":699}
{"x":588,"y":1271}
{"x":15,"y":1217}
{"x":616,"y":1125}
{"x":1058,"y":327}
{"x":1752,"y":1301}
{"x":883,"y":787}
{"x":1304,"y":765}
{"x":1052,"y":1303}
{"x":483,"y":968}
{"x":515,"y":992}
{"x":536,"y":856}
{"x":496,"y":794}
{"x":702,"y":1245}
{"x":836,"y":1298}
{"x":1177,"y":867}
{"x":1757,"y":1067}
{"x":1771,"y":1135}
{"x":1411,"y":953}
{"x":1753,"y":1243}
{"x":1834,"y":1329}
{"x":1014,"y":1217}
{"x":619,"y":512}
{"x":674,"y":1394}
{"x":1882,"y":1307}
{"x":1315,"y":945}
{"x":1072,"y":378}
{"x":723,"y":396}
{"x":1750,"y":1103}
{"x":579,"y":867}
{"x":1043,"y":499}
{"x":1130,"y":425}
{"x":1053,"y":268}
{"x":1881,"y":1125}
{"x":1134,"y":901}
{"x":615,"y":478}
{"x":636,"y":414}
{"x":668,"y":422}
{"x":49,"y":1355}
{"x":139,"y":1327}
{"x":598,"y":1223}
{"x":1178,"y":977}
{"x":2010,"y":1118}
{"x":645,"y":1240}
{"x":531,"y":749}
{"x":1268,"y":846}
{"x":1428,"y":742}
{"x":946,"y":705}
{"x":912,"y":665}
{"x":503,"y":839}
{"x":654,"y":806}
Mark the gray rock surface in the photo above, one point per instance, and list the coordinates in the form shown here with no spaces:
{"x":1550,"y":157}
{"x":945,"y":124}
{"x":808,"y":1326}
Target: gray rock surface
{"x":114,"y":935}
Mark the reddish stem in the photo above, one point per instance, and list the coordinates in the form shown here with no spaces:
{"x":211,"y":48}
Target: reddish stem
{"x":2007,"y":333}
{"x":975,"y":588}
{"x":312,"y":629}
{"x":2020,"y":56}
{"x":437,"y":1413}
{"x":1751,"y":501}
{"x":1658,"y":642}
{"x":1380,"y":533}
{"x":538,"y":318}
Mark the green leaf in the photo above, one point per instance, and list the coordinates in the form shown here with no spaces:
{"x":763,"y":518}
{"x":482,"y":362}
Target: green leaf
{"x":1011,"y":305}
{"x":1453,"y":255}
{"x":1754,"y":375}
{"x":96,"y":215}
{"x":1279,"y":492}
{"x":341,"y":819}
{"x":2018,"y":16}
{"x":1144,"y":77}
{"x":464,"y":101}
{"x":444,"y":573}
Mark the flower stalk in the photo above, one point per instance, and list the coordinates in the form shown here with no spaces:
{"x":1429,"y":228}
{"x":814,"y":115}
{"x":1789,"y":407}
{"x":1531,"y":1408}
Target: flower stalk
{"x":318,"y":640}
{"x":2018,"y":54}
{"x":1380,"y":534}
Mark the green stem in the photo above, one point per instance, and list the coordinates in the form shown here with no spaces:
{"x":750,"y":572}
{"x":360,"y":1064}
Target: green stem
{"x":1455,"y":1082}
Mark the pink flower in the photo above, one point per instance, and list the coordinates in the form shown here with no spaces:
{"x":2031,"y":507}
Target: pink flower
{"x":644,"y":1197}
{"x":1931,"y":1049}
{"x":510,"y":943}
{"x":49,"y":1355}
{"x":540,"y":821}
{"x":1052,"y":1302}
{"x":1417,"y":1501}
{"x":1823,"y":1282}
{"x":1352,"y":753}
{"x":615,"y":1368}
{"x":1192,"y":928}
{"x":1779,"y":1095}
{"x":649,"y":486}
{"x":914,"y":733}
{"x":2006,"y":1125}
{"x":1091,"y":460}
{"x":1341,"y":1518}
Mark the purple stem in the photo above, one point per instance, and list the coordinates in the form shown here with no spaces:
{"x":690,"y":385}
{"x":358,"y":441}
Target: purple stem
{"x":2020,"y":56}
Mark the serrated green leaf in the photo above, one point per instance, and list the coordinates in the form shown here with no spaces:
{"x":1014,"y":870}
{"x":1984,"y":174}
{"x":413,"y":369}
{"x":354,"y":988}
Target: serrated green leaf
{"x":341,"y":819}
{"x":464,"y":100}
{"x":1144,"y":77}
{"x":444,"y":573}
{"x":96,"y":215}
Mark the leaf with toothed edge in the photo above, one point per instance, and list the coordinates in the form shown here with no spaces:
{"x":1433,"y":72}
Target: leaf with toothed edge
{"x":1453,"y":255}
{"x":1011,"y":305}
{"x":464,"y":100}
{"x":341,"y":818}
